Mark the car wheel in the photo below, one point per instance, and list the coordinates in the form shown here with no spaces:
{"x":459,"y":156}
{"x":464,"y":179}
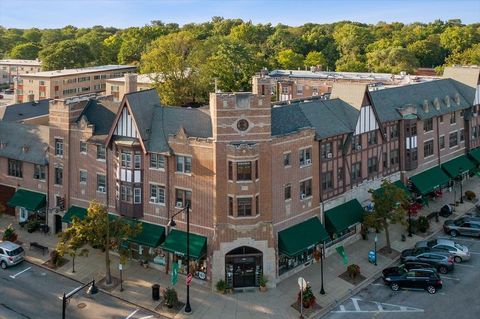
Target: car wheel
{"x":431,"y":290}
{"x":3,"y":265}
{"x":394,"y":287}
{"x":457,"y":259}
{"x":442,"y":269}
{"x":453,"y":233}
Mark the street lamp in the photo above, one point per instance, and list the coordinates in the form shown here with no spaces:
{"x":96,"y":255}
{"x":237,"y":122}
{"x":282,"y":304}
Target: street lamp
{"x":376,"y":238}
{"x":409,"y":223}
{"x":461,"y":184}
{"x":322,"y":254}
{"x":172,"y":223}
{"x":92,"y":290}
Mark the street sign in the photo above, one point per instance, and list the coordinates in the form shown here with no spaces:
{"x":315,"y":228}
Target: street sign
{"x":120,"y":267}
{"x":302,"y":283}
{"x":189,"y":279}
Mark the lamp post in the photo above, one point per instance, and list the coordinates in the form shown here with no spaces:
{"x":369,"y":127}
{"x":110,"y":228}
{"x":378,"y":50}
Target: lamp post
{"x":92,"y":290}
{"x":461,"y":184}
{"x":409,"y":223}
{"x":376,"y":238}
{"x":322,"y":254}
{"x":172,"y":223}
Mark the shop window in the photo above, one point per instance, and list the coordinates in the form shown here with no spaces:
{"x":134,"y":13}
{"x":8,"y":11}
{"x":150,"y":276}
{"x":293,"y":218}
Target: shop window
{"x":244,"y":206}
{"x":305,"y":189}
{"x":305,"y":156}
{"x":244,"y":171}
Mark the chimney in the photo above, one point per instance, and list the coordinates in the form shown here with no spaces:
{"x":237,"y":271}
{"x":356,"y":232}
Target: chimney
{"x":3,"y":144}
{"x":425,"y":106}
{"x":130,"y":82}
{"x":25,"y":148}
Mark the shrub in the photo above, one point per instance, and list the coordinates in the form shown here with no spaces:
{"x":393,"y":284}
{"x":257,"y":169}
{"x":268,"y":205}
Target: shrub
{"x":55,"y":258}
{"x":32,"y":225}
{"x":221,"y":286}
{"x":263,"y":281}
{"x":10,"y":234}
{"x":170,"y":296}
{"x":353,"y":270}
{"x":423,"y":224}
{"x":469,"y":195}
{"x":308,"y":298}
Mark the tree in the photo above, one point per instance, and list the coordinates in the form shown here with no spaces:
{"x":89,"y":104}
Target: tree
{"x":288,"y":59}
{"x":428,"y":52}
{"x":392,"y":60}
{"x":456,"y":38}
{"x":99,"y":229}
{"x":469,"y":56}
{"x":71,"y":242}
{"x":33,"y":35}
{"x":66,"y":54}
{"x":351,"y":63}
{"x":28,"y":51}
{"x":389,"y":208}
{"x":352,"y":38}
{"x":315,"y":58}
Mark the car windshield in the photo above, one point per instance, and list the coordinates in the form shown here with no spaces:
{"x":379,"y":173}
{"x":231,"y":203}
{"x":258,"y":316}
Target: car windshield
{"x":459,"y":246}
{"x":15,"y":252}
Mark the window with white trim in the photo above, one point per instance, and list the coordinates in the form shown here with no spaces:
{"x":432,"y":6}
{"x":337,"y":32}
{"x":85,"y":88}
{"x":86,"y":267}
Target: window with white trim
{"x":182,"y":198}
{"x":59,"y":146}
{"x":137,"y":195}
{"x":244,"y":206}
{"x":157,"y":161}
{"x":102,"y":183}
{"x":305,"y":189}
{"x":305,"y":156}
{"x":184,"y":164}
{"x":157,"y":194}
{"x":83,"y":176}
{"x":39,"y":172}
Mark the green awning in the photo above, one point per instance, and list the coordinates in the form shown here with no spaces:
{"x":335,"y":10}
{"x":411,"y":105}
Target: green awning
{"x":458,"y":166}
{"x":74,"y":211}
{"x":32,"y":201}
{"x":430,"y":179}
{"x":343,"y":216}
{"x":151,"y":235}
{"x":176,"y":242}
{"x":296,"y":239}
{"x":475,"y":154}
{"x":399,"y":184}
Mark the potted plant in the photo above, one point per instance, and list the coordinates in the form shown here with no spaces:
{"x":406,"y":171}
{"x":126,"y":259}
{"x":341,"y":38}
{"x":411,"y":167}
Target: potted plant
{"x":170,"y":296}
{"x":317,"y":255}
{"x":353,"y":270}
{"x":423,"y":224}
{"x":263,"y":283}
{"x":9,"y":234}
{"x":32,"y":225}
{"x":469,"y":195}
{"x":308,"y":298}
{"x":221,"y":286}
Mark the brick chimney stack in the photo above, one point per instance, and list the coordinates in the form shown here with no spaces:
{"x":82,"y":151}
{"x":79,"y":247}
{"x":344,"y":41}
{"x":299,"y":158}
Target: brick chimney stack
{"x":130,"y":82}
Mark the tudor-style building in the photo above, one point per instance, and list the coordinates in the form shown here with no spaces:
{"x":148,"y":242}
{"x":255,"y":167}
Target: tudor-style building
{"x":255,"y":176}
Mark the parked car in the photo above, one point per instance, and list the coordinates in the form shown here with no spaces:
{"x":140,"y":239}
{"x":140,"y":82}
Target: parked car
{"x":8,"y":91}
{"x":426,"y":279}
{"x":468,"y":226}
{"x":10,"y":254}
{"x":459,"y":252}
{"x":439,"y":259}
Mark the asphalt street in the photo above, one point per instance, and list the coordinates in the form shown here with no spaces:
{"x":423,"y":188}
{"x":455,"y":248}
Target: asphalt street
{"x":457,"y":299}
{"x":28,"y":291}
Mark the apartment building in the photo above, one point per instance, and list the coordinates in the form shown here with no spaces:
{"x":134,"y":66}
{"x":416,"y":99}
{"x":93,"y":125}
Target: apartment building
{"x":254,"y":176}
{"x":299,"y":84}
{"x":65,"y":83}
{"x":11,"y":68}
{"x":118,"y":87}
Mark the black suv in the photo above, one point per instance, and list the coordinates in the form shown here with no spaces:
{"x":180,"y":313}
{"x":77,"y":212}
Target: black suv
{"x":438,"y":259}
{"x":426,"y":279}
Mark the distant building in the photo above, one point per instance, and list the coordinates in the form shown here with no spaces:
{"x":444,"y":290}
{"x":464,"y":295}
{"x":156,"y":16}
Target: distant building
{"x":65,"y":83}
{"x":12,"y":67}
{"x":118,"y":87}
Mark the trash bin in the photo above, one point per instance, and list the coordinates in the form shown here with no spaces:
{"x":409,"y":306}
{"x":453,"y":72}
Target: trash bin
{"x":372,"y":256}
{"x":156,"y":292}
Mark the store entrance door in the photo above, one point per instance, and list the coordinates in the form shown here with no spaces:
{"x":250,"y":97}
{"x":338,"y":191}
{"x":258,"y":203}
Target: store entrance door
{"x":243,"y":267}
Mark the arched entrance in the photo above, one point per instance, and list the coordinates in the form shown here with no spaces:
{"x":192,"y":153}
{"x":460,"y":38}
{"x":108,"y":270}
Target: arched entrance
{"x":243,"y":267}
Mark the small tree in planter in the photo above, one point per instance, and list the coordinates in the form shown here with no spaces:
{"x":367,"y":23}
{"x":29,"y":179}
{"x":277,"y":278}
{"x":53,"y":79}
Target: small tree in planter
{"x":353,"y":270}
{"x":308,"y":298}
{"x":221,"y":286}
{"x":263,"y":283}
{"x":170,"y":296}
{"x":469,"y":195}
{"x":423,"y":224}
{"x":9,"y":234}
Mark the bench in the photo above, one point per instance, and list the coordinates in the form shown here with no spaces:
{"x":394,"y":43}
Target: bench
{"x":432,"y":216}
{"x":36,"y":245}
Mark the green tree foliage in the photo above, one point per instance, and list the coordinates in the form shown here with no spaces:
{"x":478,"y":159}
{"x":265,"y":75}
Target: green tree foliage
{"x":27,"y":51}
{"x":456,"y":38}
{"x":469,"y":56}
{"x":65,"y":54}
{"x":390,"y":205}
{"x":315,"y":58}
{"x":428,"y":52}
{"x":290,"y":60}
{"x":392,"y":60}
{"x":33,"y":35}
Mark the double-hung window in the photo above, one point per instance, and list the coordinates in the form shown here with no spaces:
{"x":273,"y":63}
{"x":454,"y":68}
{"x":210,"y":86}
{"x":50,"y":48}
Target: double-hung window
{"x":244,"y":206}
{"x":157,"y":194}
{"x":184,"y":164}
{"x":182,"y":198}
{"x":59,"y":147}
{"x":305,"y":156}
{"x":39,"y":172}
{"x":15,"y":168}
{"x":101,"y":152}
{"x":102,"y":184}
{"x":157,"y":161}
{"x":305,"y":188}
{"x":244,"y":171}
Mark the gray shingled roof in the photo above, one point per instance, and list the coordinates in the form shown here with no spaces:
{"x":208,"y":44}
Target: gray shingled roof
{"x":327,"y":117}
{"x":156,"y":122}
{"x":16,"y":135}
{"x":388,"y":101}
{"x":100,"y":113}
{"x":22,"y":111}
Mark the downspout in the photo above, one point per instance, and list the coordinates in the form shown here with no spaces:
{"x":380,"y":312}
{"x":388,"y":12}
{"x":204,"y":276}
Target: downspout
{"x":438,"y":140}
{"x":167,"y":207}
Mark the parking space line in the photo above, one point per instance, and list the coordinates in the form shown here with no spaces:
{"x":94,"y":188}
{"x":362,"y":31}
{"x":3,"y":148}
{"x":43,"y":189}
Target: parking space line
{"x":132,"y":314}
{"x":147,"y":317}
{"x":474,"y":253}
{"x":451,"y":278}
{"x":462,"y":265}
{"x":355,"y":303}
{"x":19,"y":273}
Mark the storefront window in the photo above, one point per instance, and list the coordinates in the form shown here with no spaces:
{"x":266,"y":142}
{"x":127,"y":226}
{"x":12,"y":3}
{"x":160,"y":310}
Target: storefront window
{"x":286,"y":263}
{"x":197,"y":267}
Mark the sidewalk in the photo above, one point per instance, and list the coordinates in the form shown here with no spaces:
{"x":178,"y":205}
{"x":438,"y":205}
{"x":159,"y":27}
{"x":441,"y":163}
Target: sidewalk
{"x":275,"y":303}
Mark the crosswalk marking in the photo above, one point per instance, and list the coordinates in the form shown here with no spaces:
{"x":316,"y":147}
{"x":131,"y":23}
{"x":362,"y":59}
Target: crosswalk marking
{"x":380,"y":307}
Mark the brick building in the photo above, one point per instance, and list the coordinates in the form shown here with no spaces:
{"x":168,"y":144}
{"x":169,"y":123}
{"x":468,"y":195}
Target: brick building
{"x":255,"y":176}
{"x":118,"y":87}
{"x":12,"y":67}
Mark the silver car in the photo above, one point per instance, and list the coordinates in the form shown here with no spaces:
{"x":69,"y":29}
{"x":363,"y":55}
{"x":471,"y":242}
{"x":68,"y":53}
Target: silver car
{"x":459,"y":252}
{"x":10,"y":254}
{"x":469,"y":226}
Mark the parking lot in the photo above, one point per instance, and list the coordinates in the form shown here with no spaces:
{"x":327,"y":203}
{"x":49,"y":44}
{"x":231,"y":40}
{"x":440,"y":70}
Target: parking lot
{"x":457,"y":299}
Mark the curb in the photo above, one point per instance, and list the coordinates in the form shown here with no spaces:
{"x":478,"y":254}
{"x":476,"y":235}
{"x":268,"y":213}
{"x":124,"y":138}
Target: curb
{"x":28,"y":259}
{"x":326,"y":310}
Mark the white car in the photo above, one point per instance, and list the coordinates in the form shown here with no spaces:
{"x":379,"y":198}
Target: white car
{"x":459,"y":252}
{"x":10,"y":254}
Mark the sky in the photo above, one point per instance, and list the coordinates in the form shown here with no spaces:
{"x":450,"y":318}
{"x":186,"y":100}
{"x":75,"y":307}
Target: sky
{"x":125,"y":13}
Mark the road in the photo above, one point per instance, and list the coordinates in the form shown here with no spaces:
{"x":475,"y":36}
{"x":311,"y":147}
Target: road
{"x":28,"y":291}
{"x":457,"y":299}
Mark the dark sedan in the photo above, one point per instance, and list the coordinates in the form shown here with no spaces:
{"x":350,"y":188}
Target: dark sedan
{"x":439,"y":260}
{"x":426,"y":279}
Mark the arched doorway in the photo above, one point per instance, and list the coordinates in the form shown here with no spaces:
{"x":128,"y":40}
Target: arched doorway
{"x":243,"y":267}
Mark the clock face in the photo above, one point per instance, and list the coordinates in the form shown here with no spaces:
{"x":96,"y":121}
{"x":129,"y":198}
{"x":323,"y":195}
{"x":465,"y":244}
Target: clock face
{"x":242,"y":125}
